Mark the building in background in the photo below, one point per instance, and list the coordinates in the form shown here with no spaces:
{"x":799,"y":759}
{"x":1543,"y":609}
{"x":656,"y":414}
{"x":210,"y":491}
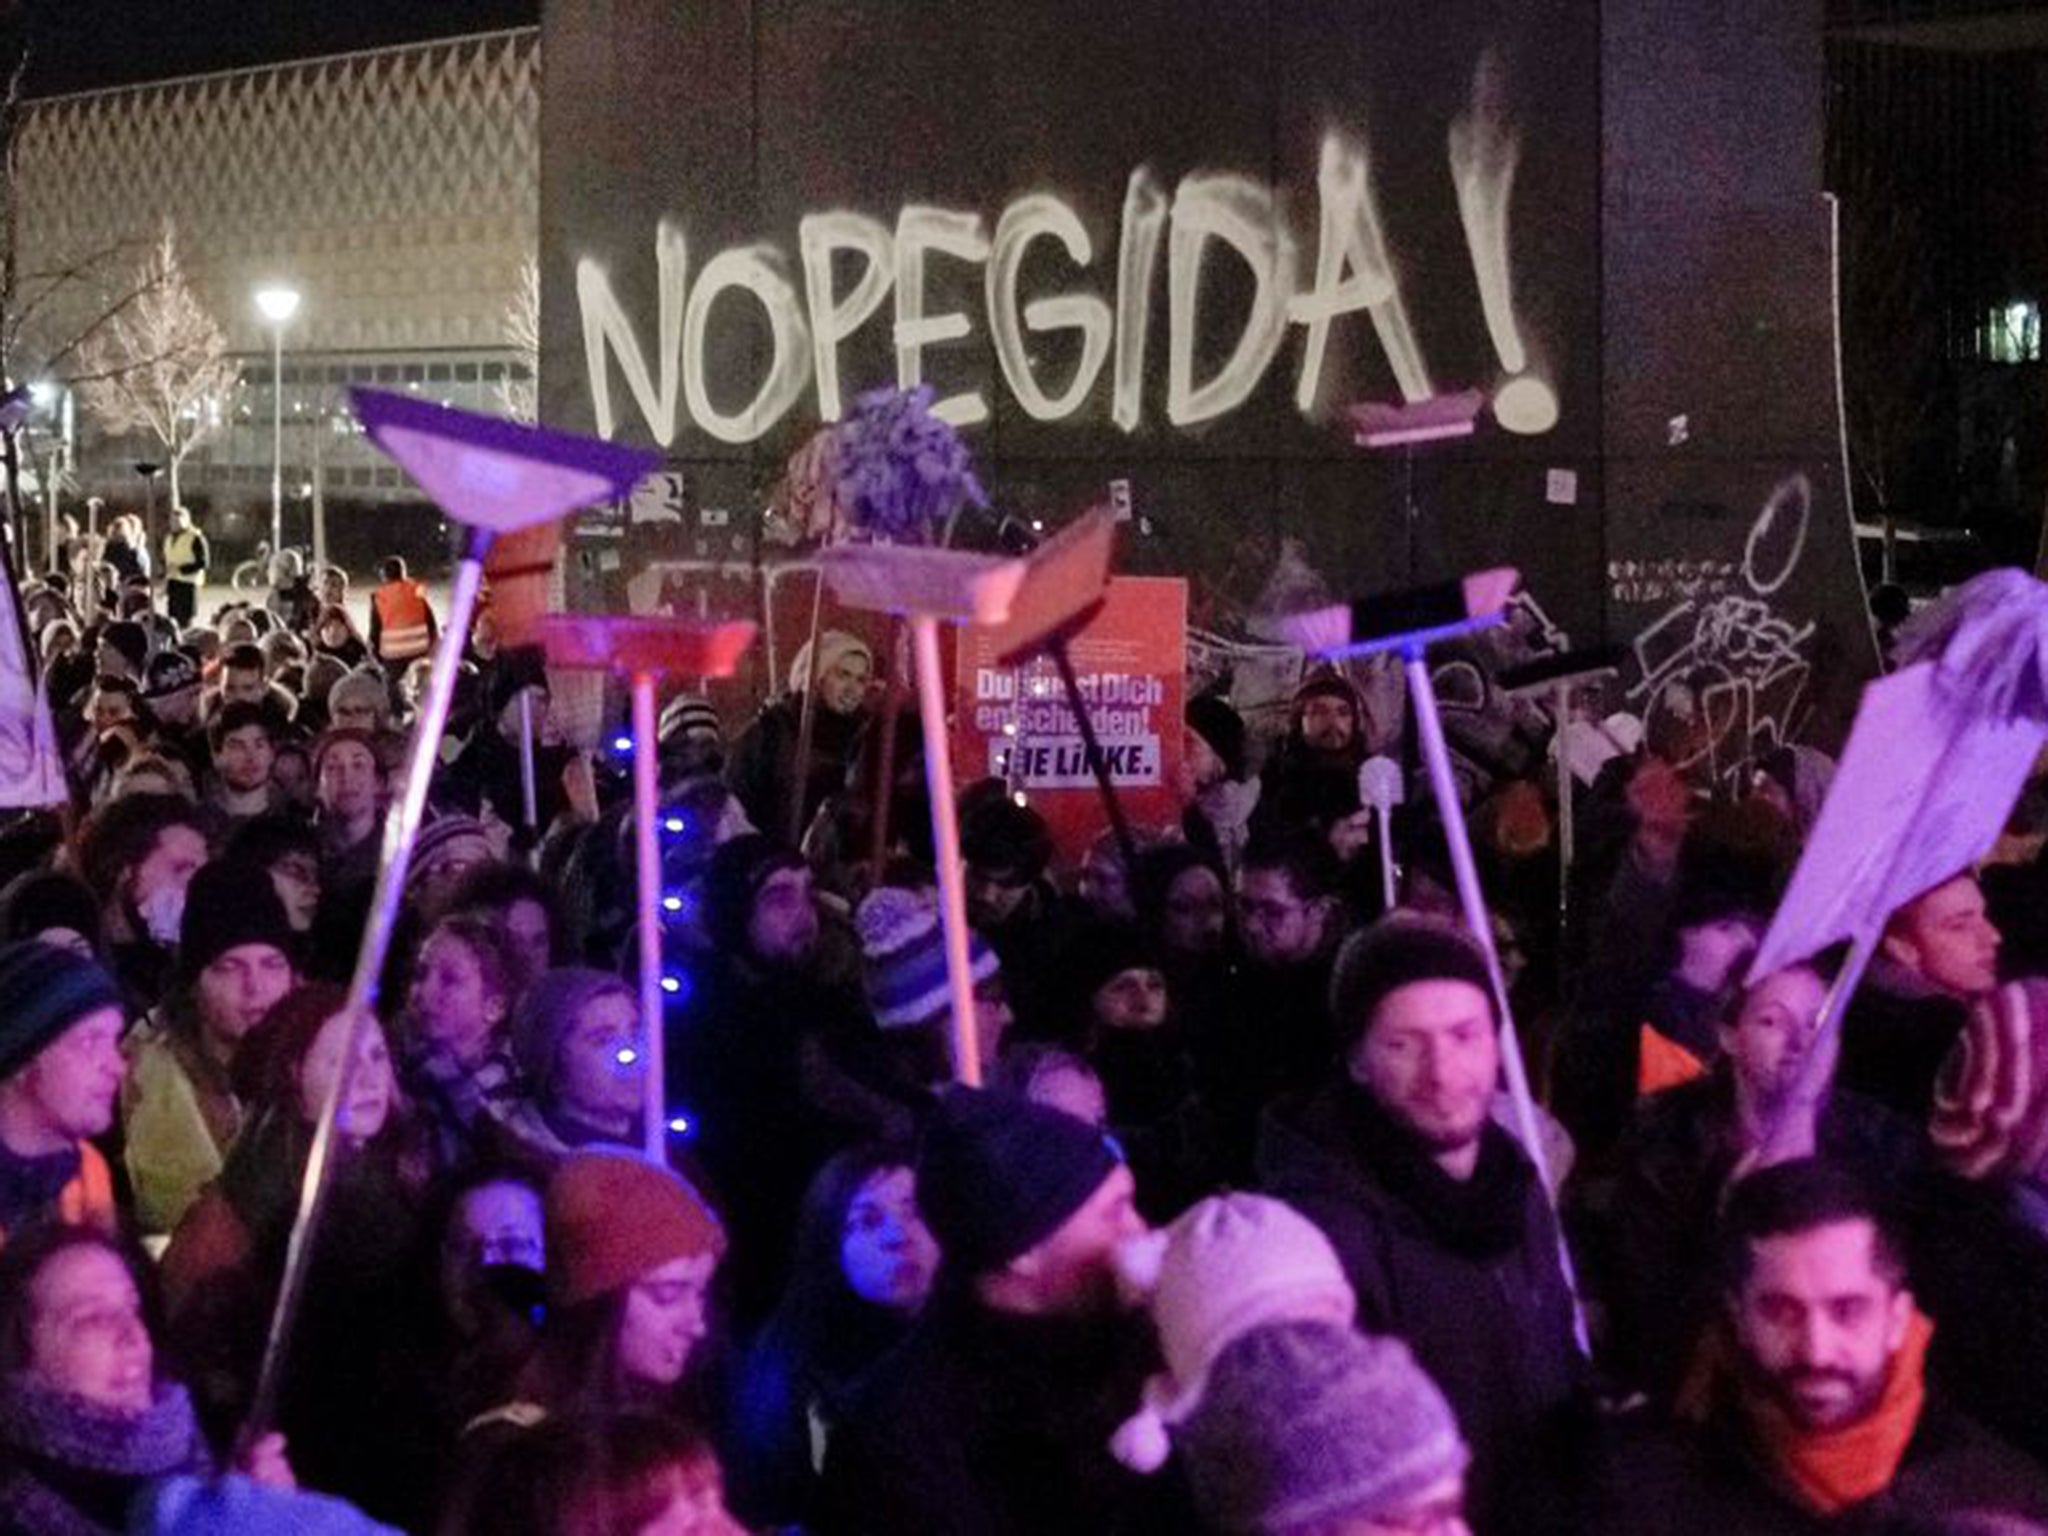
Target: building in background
{"x":396,"y":191}
{"x":1937,"y":111}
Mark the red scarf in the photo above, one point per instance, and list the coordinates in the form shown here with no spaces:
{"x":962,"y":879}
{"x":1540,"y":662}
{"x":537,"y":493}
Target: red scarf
{"x":1826,"y":1470}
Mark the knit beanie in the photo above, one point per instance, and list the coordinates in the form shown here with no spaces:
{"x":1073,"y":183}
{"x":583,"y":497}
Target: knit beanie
{"x":34,"y":903}
{"x":1222,"y":727}
{"x":903,"y":950}
{"x":362,"y":686}
{"x":518,"y":668}
{"x":1099,"y":954}
{"x":998,"y":835}
{"x":833,"y":647}
{"x":1306,"y":1424}
{"x":227,"y":906}
{"x":1325,"y":683}
{"x":45,"y":990}
{"x":437,"y":835}
{"x":683,"y":714}
{"x":547,"y":1012}
{"x":739,"y":869}
{"x":169,"y":672}
{"x":613,"y":1216}
{"x":998,"y":1175}
{"x":1230,"y":1264}
{"x":1990,"y":1116}
{"x":1397,"y":952}
{"x":130,"y":639}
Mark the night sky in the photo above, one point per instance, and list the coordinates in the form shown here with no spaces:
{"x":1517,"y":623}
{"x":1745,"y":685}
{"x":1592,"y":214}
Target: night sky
{"x":85,"y":44}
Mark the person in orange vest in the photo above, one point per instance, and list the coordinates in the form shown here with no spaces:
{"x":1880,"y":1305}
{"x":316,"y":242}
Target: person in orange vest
{"x":402,"y":625}
{"x":61,"y":1019}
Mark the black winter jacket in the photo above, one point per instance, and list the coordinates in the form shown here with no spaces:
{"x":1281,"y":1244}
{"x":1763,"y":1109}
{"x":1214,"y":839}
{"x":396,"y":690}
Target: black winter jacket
{"x":1494,"y":1329}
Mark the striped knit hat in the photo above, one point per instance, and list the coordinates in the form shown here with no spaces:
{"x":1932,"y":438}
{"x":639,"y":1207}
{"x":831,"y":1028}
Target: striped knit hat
{"x":905,"y":953}
{"x":684,"y":713}
{"x":1991,"y":1104}
{"x":436,"y":836}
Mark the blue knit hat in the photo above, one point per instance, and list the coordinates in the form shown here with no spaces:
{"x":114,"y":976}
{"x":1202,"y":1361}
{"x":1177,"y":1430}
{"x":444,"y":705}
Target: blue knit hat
{"x":999,"y":1175}
{"x":45,"y":990}
{"x":904,"y":950}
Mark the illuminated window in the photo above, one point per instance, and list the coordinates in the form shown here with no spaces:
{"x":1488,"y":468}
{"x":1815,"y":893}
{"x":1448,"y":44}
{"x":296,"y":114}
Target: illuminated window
{"x":2012,"y":333}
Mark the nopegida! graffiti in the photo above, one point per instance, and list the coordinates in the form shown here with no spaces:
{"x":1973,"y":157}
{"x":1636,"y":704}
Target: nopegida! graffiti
{"x":850,"y":264}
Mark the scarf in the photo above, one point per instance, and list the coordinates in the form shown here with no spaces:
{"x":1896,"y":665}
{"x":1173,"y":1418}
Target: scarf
{"x":1481,"y":1217}
{"x":1825,"y":1470}
{"x":72,"y":1468}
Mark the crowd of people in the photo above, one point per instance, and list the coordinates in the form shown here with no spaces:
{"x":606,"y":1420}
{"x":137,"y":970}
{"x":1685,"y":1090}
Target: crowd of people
{"x":1240,"y":1235}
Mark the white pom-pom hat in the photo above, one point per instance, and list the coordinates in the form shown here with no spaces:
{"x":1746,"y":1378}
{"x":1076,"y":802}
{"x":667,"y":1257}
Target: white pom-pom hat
{"x":1230,"y":1264}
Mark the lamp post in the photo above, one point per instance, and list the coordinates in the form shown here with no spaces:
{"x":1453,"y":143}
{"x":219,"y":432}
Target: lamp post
{"x":277,"y":304}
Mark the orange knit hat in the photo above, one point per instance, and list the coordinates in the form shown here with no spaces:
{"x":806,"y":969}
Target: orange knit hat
{"x":612,"y":1217}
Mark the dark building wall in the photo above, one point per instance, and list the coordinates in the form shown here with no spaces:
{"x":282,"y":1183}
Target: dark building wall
{"x":1730,"y":558}
{"x":736,"y":121}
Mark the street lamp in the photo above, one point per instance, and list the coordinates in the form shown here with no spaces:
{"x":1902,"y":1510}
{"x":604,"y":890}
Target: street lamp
{"x":277,"y":304}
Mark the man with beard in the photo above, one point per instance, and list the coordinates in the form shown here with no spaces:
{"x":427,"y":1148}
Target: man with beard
{"x":1436,"y":1213}
{"x":996,"y":1415}
{"x":1810,"y":1410}
{"x":1272,"y":1035}
{"x":1688,"y":1145}
{"x":139,"y":853}
{"x":1312,"y":777}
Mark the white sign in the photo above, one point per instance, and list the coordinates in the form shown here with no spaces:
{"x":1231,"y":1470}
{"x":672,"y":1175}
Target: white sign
{"x":1914,"y":801}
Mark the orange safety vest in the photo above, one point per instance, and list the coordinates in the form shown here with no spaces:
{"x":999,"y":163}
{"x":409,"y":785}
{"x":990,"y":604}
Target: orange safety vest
{"x":402,"y":615}
{"x":88,"y":1200}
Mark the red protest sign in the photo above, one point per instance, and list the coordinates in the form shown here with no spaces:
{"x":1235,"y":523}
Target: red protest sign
{"x":1013,"y":722}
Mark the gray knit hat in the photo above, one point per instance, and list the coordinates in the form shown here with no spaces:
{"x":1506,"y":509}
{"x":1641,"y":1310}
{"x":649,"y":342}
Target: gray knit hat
{"x":1307,"y":1423}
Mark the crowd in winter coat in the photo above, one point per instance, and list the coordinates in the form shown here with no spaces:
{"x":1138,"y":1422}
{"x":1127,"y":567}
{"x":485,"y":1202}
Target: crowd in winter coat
{"x":1243,"y":1233}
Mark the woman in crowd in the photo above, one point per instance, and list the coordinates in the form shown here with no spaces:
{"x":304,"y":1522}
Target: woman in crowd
{"x":355,"y":1433}
{"x":519,"y":903}
{"x":487,"y":1276}
{"x":577,"y":1039}
{"x":335,"y":634}
{"x":631,"y":1253}
{"x":87,"y":1420}
{"x":456,"y":1057}
{"x":862,"y":1269}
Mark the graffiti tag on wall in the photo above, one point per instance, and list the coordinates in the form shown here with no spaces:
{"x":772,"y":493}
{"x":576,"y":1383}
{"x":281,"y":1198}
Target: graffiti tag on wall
{"x":1724,"y":668}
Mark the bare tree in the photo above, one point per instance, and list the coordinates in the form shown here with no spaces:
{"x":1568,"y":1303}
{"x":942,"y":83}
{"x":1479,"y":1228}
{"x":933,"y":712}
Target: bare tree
{"x":519,"y":397}
{"x":160,"y":364}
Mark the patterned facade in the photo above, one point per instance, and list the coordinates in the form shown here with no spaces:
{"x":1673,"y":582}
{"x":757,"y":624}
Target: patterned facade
{"x":397,"y":190}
